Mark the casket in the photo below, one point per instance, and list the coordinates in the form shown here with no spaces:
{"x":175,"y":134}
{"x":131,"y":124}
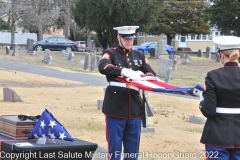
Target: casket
{"x":12,"y":127}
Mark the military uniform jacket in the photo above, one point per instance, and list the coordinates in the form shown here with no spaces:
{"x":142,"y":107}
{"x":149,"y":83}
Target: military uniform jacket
{"x":222,"y":91}
{"x":119,"y":101}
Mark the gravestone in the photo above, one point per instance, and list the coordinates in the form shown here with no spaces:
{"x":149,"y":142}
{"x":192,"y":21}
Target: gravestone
{"x":71,"y":57}
{"x":29,"y":45}
{"x":174,"y":62}
{"x":47,"y":58}
{"x":197,"y":120}
{"x":10,"y":95}
{"x":200,"y":53}
{"x":165,"y":69}
{"x":208,"y":52}
{"x":217,"y":57}
{"x":91,"y":45}
{"x":15,"y":50}
{"x":93,"y":63}
{"x":98,"y":60}
{"x":152,"y":53}
{"x":161,"y":47}
{"x":86,"y":61}
{"x":213,"y":56}
{"x":182,"y":55}
{"x":67,"y":52}
{"x":168,"y":75}
{"x":187,"y":59}
{"x":7,"y":49}
{"x":63,"y":52}
{"x":187,"y":56}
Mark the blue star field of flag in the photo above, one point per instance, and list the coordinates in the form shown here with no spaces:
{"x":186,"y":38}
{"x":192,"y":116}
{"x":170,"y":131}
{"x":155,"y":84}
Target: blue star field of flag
{"x":48,"y":126}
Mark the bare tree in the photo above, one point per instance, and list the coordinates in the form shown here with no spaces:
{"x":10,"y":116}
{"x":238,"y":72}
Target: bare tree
{"x":40,"y":14}
{"x":14,"y":10}
{"x":66,"y":17}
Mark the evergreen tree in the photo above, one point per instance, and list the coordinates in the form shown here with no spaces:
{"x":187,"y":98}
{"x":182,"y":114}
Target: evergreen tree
{"x":181,"y":17}
{"x":225,"y":15}
{"x":103,"y":15}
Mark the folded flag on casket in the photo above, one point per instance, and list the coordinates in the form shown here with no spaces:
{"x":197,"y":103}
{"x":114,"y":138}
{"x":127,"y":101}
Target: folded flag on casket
{"x":154,"y":84}
{"x":48,"y":126}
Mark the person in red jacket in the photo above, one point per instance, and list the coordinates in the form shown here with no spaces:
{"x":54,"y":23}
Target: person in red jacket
{"x":221,"y":104}
{"x":122,"y":103}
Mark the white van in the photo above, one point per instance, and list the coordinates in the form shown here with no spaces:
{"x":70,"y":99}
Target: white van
{"x":81,"y":45}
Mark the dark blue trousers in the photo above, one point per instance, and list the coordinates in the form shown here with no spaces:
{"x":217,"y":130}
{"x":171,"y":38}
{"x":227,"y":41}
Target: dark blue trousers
{"x":217,"y":153}
{"x":123,"y":132}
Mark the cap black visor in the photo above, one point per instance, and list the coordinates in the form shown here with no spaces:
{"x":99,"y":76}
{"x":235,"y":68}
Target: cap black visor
{"x":127,"y":36}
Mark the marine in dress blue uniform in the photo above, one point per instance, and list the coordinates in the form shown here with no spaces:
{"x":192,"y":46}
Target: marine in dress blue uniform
{"x":221,"y":104}
{"x":122,"y":103}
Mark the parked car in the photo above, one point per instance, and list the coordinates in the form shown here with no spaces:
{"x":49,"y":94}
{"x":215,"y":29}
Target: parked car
{"x":81,"y":45}
{"x":145,"y":47}
{"x":55,"y":44}
{"x":170,"y":49}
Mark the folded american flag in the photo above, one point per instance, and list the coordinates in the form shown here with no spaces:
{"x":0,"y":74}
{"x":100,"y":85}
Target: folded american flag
{"x":154,"y":84}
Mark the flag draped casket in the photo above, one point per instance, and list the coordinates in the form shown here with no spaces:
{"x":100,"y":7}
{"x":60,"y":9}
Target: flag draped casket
{"x":12,"y":127}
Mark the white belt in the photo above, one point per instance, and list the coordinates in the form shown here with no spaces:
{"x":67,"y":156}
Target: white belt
{"x":119,"y":84}
{"x":228,"y":110}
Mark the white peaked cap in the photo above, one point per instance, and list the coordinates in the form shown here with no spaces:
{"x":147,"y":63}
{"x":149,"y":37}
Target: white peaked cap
{"x":126,"y":29}
{"x":227,"y":42}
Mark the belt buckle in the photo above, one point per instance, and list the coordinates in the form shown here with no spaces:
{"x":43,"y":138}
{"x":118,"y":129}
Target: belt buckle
{"x":129,"y":86}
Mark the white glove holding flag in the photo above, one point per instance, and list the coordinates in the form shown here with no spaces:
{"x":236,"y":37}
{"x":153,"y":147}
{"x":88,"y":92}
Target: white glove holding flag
{"x":134,"y":75}
{"x":145,"y":77}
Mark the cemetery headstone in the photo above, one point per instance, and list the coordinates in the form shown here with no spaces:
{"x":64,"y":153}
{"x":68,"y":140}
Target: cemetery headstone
{"x":182,"y":55}
{"x":7,"y":49}
{"x":197,"y":119}
{"x":200,"y":53}
{"x":90,"y":45}
{"x":47,"y":58}
{"x":187,"y":59}
{"x":62,"y":52}
{"x":217,"y":57}
{"x":168,"y":75}
{"x":98,"y":60}
{"x":10,"y":95}
{"x":30,"y":46}
{"x":71,"y":57}
{"x":208,"y":52}
{"x":165,"y":68}
{"x":161,"y":47}
{"x":152,"y":52}
{"x":175,"y":62}
{"x":86,"y":61}
{"x":67,"y":52}
{"x":213,"y":56}
{"x":15,"y":50}
{"x":93,"y":63}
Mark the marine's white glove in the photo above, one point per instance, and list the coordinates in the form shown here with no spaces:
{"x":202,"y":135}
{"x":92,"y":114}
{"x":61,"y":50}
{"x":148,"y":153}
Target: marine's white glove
{"x":201,"y":96}
{"x":134,"y":75}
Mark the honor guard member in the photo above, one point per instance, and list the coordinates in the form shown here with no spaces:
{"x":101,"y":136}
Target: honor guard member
{"x":221,"y":103}
{"x":122,"y":103}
